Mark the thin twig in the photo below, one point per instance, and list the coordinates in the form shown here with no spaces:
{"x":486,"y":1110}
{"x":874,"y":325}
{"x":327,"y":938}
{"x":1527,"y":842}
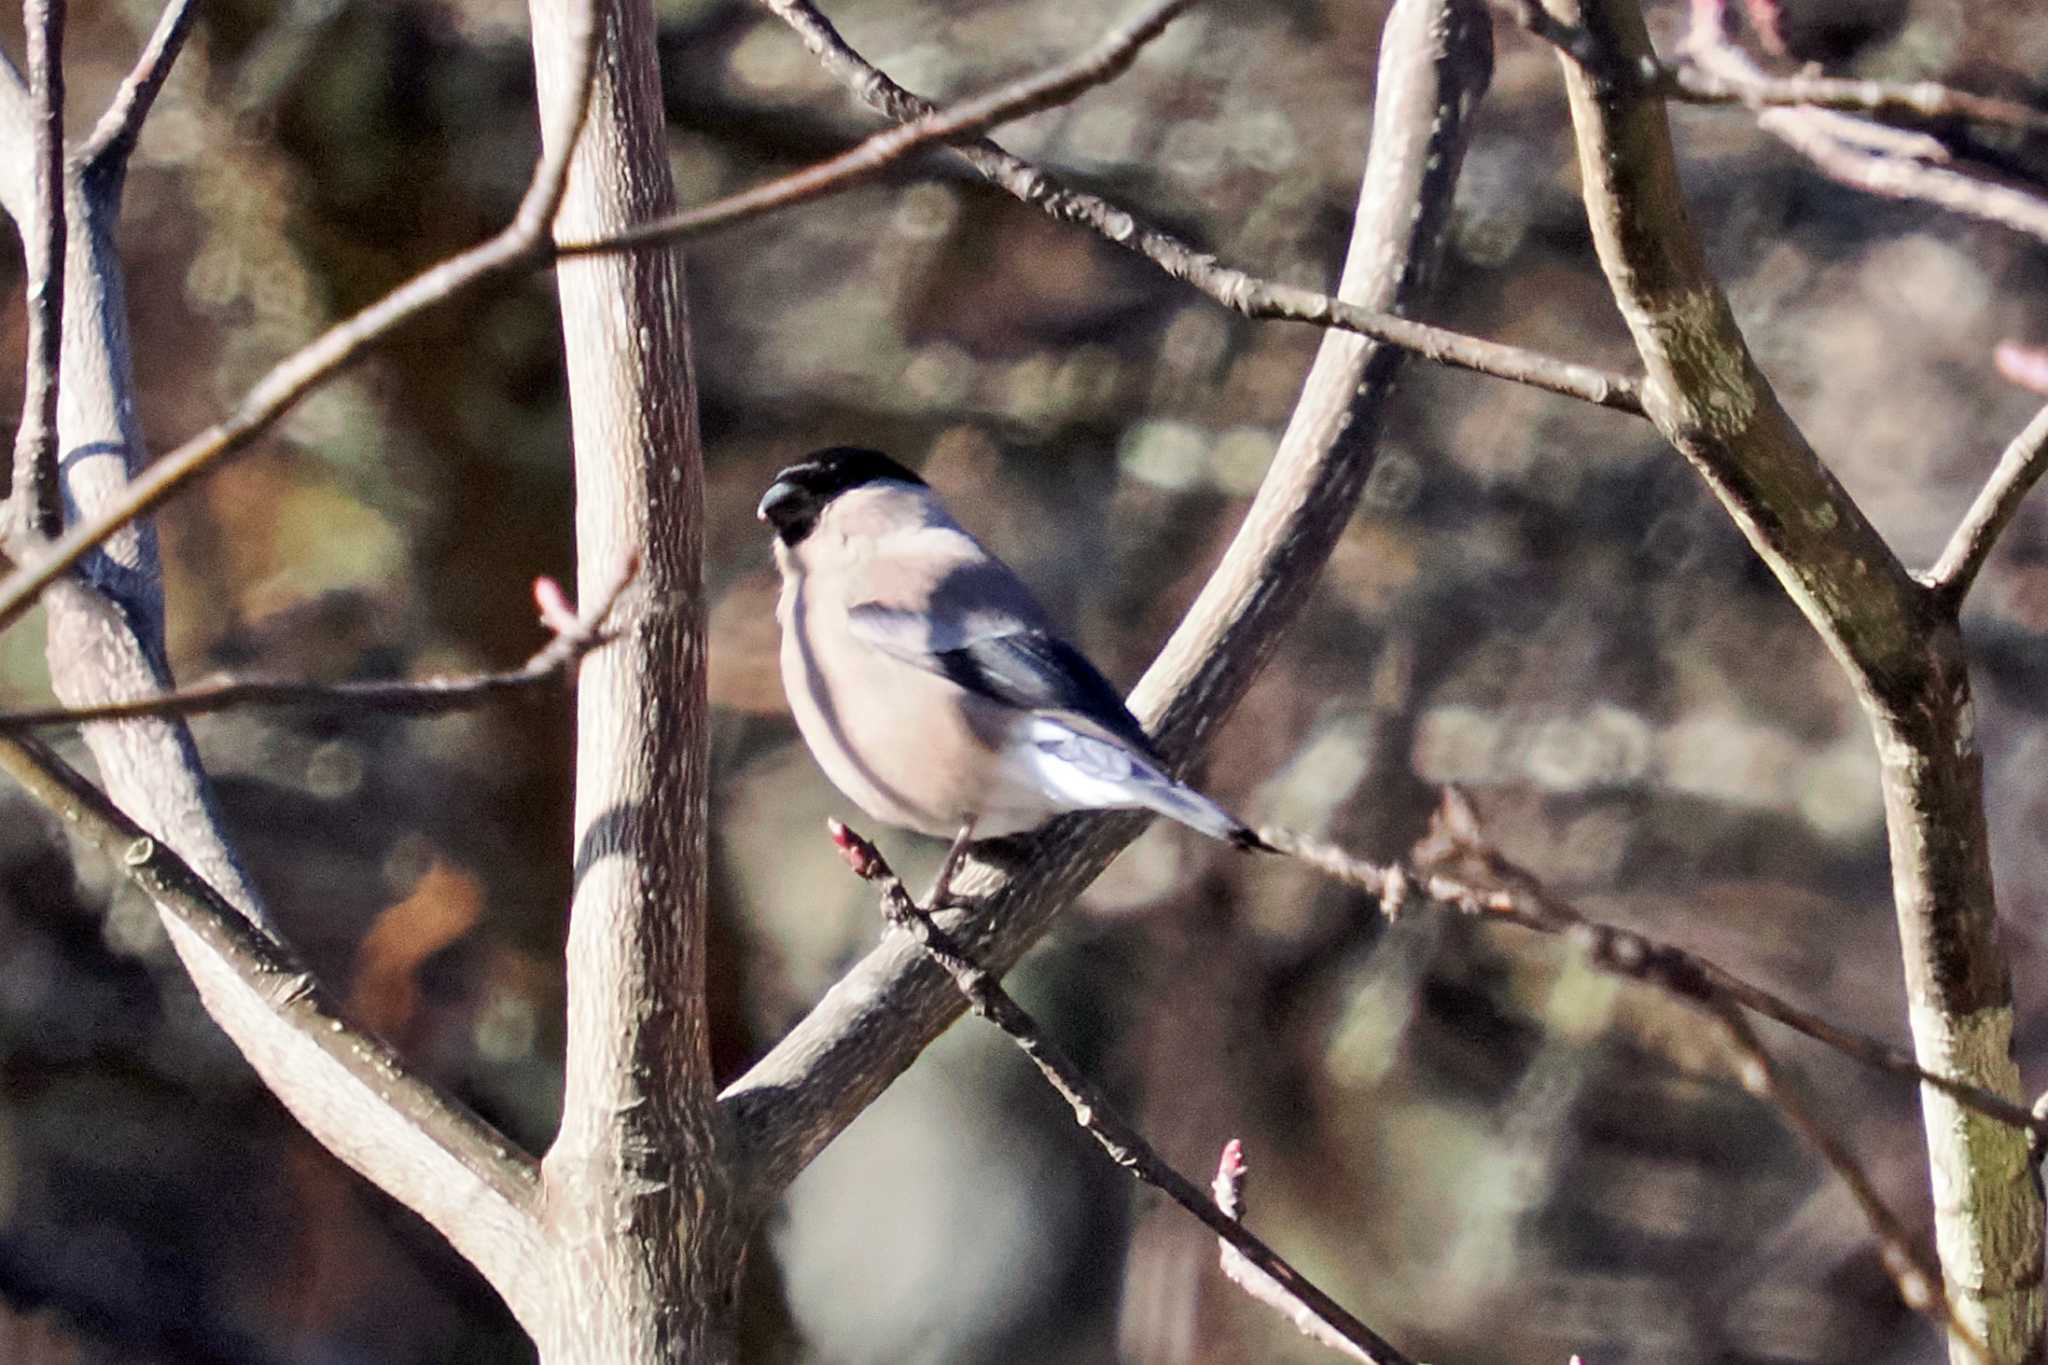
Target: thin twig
{"x":1997,"y":503}
{"x":1694,"y":84}
{"x":114,"y":136}
{"x":35,"y":444}
{"x":1017,"y":99}
{"x":1531,"y":907}
{"x":1231,"y":1174}
{"x":1917,"y":1282}
{"x":1246,"y":294}
{"x":520,"y":243}
{"x":574,"y":637}
{"x":1510,"y":893}
{"x":1116,"y":1137}
{"x":1896,"y":177}
{"x":1705,"y":77}
{"x":1859,"y":153}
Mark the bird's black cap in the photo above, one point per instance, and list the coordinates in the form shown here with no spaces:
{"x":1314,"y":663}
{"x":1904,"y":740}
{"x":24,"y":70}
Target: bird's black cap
{"x":792,"y":503}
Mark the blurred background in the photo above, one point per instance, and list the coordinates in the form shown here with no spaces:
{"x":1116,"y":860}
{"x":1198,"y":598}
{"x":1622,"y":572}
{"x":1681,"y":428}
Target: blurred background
{"x":1489,"y":1152}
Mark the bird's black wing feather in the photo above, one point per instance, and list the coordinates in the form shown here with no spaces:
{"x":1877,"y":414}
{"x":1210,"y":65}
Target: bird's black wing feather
{"x":1036,"y":671}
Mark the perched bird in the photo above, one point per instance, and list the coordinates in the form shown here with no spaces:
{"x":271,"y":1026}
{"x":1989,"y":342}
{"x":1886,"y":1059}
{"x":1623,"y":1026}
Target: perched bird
{"x":931,"y":687}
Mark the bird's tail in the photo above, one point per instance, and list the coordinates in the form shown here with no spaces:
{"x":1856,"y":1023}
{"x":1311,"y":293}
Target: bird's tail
{"x":1178,"y":801}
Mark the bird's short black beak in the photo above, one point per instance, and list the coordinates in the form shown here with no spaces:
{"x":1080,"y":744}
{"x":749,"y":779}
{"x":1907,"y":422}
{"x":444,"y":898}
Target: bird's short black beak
{"x":779,"y":495}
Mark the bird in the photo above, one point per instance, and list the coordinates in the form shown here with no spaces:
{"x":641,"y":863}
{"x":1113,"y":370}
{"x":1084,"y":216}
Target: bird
{"x":929,"y":684}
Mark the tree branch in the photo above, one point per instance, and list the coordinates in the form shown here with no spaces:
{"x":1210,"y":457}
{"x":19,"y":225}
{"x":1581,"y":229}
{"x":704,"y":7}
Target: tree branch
{"x":1236,"y":290}
{"x":553,"y":662}
{"x":1852,"y":161}
{"x":40,"y":511}
{"x":1996,"y":504}
{"x":521,"y":243}
{"x":105,"y":643}
{"x":1240,"y":1270}
{"x":1092,"y":1110}
{"x":1435,"y":57}
{"x":1716,"y":72}
{"x":114,"y":137}
{"x":1896,"y":641}
{"x":646,"y":1230}
{"x":1454,"y":868}
{"x":1056,"y":85}
{"x":1696,"y":84}
{"x":346,"y":1085}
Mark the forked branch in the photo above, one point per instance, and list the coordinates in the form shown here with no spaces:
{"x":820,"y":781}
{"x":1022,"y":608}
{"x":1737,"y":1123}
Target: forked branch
{"x":114,"y":137}
{"x":523,"y":242}
{"x":1996,"y":504}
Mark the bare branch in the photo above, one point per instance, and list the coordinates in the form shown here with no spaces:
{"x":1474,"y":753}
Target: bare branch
{"x":1997,"y":503}
{"x":523,"y":242}
{"x":872,"y":1024}
{"x":351,"y":1094}
{"x":1017,"y":99}
{"x":1854,"y":163}
{"x":348,"y":1086}
{"x":1246,"y":294}
{"x":35,"y":443}
{"x":1917,"y":1282}
{"x":1525,"y":902}
{"x":554,"y":662}
{"x":1231,"y":1174}
{"x":985,"y":994}
{"x":1455,"y":869}
{"x":1856,"y":152}
{"x":1717,"y":72}
{"x":1896,"y":641}
{"x":1696,"y":84}
{"x":114,"y":137}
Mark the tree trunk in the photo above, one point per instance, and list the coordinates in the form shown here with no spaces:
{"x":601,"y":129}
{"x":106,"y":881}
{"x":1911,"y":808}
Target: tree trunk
{"x":646,"y":1245}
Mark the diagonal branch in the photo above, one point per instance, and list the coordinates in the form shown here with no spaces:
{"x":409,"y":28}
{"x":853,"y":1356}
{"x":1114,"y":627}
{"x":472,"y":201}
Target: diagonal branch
{"x":347,"y":1085}
{"x":1240,"y":1270}
{"x":1525,"y":902}
{"x":1056,"y":85}
{"x":1092,"y":1110}
{"x":34,"y":471}
{"x":1434,"y":61}
{"x":523,"y":242}
{"x":105,"y":643}
{"x":114,"y":137}
{"x":1236,"y":290}
{"x":1918,"y":1283}
{"x":1455,"y":869}
{"x":1696,"y":84}
{"x":1997,"y":503}
{"x":1854,"y":162}
{"x":552,"y":663}
{"x":1716,"y":72}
